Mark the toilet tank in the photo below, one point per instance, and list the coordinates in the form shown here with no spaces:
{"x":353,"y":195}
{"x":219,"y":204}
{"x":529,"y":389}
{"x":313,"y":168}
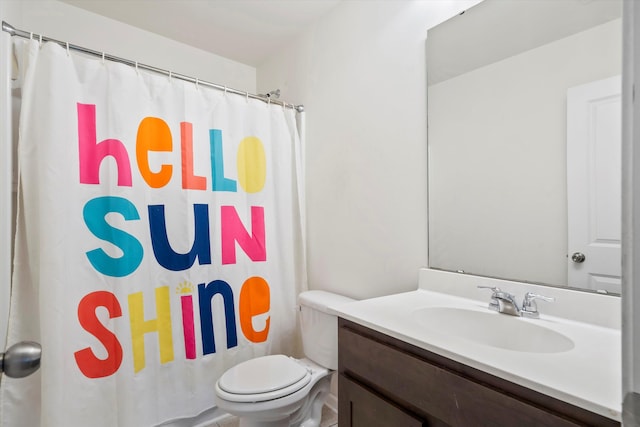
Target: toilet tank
{"x":319,"y":326}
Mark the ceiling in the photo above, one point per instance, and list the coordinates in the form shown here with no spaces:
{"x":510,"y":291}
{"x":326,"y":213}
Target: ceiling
{"x":247,"y":31}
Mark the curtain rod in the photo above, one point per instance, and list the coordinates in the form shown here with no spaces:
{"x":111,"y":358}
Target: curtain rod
{"x":27,"y":35}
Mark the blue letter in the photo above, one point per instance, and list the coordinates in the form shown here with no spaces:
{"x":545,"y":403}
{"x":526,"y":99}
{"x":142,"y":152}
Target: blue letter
{"x":205,"y":295}
{"x":166,"y":256}
{"x":94,"y":213}
{"x":219,"y":182}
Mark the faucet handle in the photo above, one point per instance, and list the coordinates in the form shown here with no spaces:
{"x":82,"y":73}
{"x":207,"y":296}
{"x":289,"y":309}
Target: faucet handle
{"x":529,"y":306}
{"x":495,"y":291}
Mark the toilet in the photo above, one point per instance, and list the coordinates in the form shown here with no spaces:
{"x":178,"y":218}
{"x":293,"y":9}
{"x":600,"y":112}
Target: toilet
{"x":278,"y":390}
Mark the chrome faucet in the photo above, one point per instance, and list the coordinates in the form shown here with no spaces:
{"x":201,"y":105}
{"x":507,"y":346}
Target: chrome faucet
{"x":504,"y":302}
{"x":529,"y":306}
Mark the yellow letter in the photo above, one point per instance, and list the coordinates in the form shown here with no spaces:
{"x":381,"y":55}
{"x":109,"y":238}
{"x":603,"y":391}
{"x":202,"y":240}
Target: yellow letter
{"x":252,"y":164}
{"x":139,"y":327}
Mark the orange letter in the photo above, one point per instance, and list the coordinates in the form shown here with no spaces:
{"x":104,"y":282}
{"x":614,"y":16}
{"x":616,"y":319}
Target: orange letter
{"x":189,"y":180}
{"x":254,"y":300}
{"x":89,"y":364}
{"x":153,"y":135}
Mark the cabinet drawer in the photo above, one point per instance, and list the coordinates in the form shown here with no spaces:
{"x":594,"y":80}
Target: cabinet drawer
{"x":433,"y":391}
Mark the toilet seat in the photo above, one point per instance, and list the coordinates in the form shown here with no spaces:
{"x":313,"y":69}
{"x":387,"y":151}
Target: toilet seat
{"x":261,"y":379}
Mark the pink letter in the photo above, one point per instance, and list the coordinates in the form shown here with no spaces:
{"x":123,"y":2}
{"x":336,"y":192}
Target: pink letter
{"x":187,"y":326}
{"x":92,"y":153}
{"x":233,"y":231}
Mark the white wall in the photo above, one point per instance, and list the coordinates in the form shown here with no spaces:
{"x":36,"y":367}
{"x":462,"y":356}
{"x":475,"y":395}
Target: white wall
{"x":68,"y":23}
{"x":361,"y":75}
{"x":497,"y":140}
{"x":77,"y":26}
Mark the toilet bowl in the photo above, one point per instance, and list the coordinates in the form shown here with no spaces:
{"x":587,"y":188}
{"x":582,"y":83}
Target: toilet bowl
{"x":274,"y":391}
{"x":278,"y":390}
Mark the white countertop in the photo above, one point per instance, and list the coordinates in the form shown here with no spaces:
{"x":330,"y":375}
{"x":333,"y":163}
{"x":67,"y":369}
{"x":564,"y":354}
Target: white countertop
{"x":587,"y":376}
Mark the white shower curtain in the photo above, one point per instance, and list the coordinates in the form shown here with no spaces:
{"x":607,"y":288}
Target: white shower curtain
{"x":159,"y":240}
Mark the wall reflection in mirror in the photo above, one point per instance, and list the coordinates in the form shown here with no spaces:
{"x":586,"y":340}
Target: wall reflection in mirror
{"x":524,"y":142}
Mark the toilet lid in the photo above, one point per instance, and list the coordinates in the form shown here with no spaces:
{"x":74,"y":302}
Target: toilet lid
{"x":272,"y":376}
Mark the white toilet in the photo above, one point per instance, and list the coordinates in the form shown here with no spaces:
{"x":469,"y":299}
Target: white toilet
{"x":281,"y":391}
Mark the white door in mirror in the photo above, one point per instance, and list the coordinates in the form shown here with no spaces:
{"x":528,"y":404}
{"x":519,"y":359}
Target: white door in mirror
{"x":594,"y":185}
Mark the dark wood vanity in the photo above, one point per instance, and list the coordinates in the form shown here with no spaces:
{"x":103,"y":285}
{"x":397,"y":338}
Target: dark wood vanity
{"x":385,"y":382}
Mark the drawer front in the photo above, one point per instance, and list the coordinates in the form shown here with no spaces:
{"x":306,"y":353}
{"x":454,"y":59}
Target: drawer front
{"x":432,"y":391}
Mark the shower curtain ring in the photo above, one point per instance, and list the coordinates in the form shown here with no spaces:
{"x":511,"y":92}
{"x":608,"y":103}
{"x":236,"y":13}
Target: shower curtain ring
{"x":102,"y":58}
{"x":197,"y":84}
{"x":225,"y":90}
{"x":247,"y":94}
{"x":170,"y":76}
{"x":31,"y":35}
{"x":67,"y":48}
{"x":40,"y":39}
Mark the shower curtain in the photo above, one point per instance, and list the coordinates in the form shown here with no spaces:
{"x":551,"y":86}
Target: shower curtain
{"x":159,"y":240}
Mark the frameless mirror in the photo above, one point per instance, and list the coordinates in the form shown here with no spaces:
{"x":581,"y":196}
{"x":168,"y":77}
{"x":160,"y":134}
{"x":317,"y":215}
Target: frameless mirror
{"x":524,"y":138}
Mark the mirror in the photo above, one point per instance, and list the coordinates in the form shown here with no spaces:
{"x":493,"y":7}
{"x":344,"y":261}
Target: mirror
{"x":507,"y":112}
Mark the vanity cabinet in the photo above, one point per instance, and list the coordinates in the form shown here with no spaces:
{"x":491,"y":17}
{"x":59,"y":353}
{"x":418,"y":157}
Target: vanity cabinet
{"x":385,"y":382}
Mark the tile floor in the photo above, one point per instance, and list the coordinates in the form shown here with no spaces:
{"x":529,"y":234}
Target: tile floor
{"x":329,"y":419}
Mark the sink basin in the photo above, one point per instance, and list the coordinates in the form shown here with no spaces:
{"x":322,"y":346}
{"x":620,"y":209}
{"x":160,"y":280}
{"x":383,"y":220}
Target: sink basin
{"x":492,"y":329}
